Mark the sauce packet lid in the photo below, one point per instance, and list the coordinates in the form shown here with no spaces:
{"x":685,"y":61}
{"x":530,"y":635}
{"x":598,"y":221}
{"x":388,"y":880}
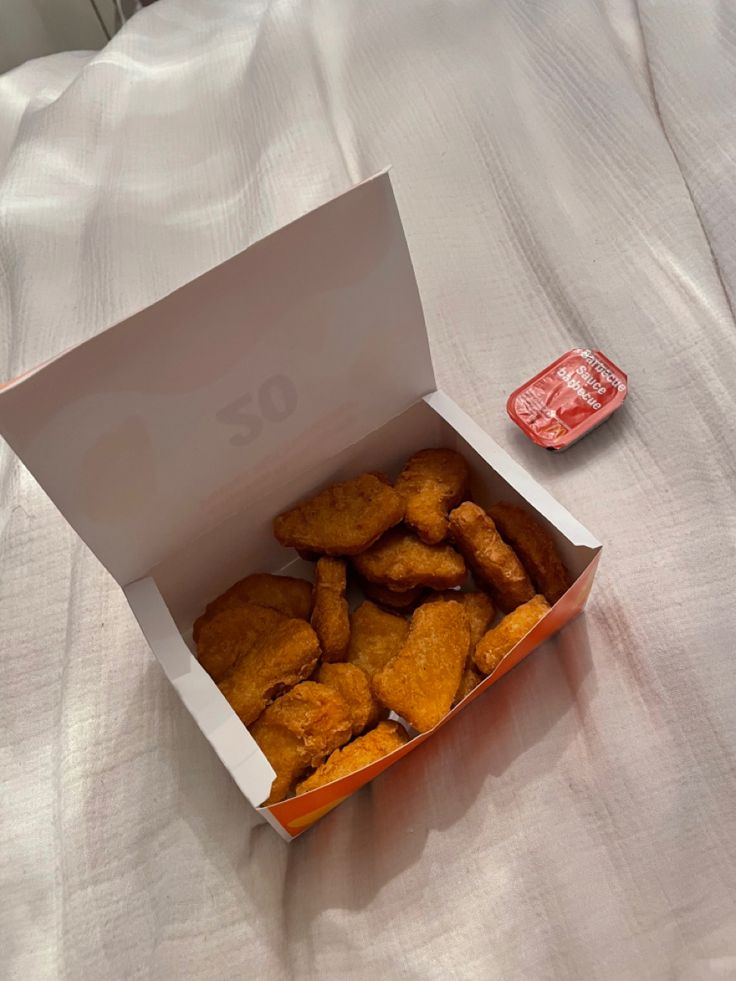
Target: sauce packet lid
{"x":567,"y":399}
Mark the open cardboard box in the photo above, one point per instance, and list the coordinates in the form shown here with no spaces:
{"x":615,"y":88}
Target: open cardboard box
{"x":170,"y":440}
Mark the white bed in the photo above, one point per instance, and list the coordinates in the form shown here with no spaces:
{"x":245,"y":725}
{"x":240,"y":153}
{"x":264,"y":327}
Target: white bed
{"x":566,"y":174}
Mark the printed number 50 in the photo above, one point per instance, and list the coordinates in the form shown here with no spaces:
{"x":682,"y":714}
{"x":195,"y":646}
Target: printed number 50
{"x":275,"y":401}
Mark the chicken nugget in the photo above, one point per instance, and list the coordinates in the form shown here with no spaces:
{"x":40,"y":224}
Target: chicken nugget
{"x":374,"y":745}
{"x":280,"y":659}
{"x":494,"y":564}
{"x":420,"y":682}
{"x":479,"y":610}
{"x":290,"y":596}
{"x":330,"y":614}
{"x":400,"y":561}
{"x":352,"y":683}
{"x":496,"y":644}
{"x":343,"y":519}
{"x":535,"y":547}
{"x":431,"y":483}
{"x":299,"y":730}
{"x":471,"y":679}
{"x":375,"y":637}
{"x":403,"y":599}
{"x":231,"y":633}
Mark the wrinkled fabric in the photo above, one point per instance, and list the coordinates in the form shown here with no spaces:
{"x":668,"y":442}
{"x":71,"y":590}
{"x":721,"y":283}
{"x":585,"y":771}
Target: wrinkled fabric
{"x":565,"y":174}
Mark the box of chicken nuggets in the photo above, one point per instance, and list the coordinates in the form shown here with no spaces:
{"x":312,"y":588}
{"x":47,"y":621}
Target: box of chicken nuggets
{"x":327,"y":556}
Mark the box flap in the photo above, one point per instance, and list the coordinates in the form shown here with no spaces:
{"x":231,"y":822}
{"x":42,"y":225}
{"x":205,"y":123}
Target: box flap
{"x":293,"y":349}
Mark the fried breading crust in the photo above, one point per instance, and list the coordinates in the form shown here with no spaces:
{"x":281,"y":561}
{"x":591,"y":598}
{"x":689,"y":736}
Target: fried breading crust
{"x":343,"y":519}
{"x":375,"y":637}
{"x":494,"y":564}
{"x":374,"y":745}
{"x":400,"y":600}
{"x":420,"y":683}
{"x":282,"y":658}
{"x":470,"y":679}
{"x":400,"y":561}
{"x":478,"y":607}
{"x":496,"y":643}
{"x":352,"y":683}
{"x":479,"y":611}
{"x":330,"y":614}
{"x":299,"y":730}
{"x":287,"y":595}
{"x":431,"y":483}
{"x":535,"y":547}
{"x":230,"y":634}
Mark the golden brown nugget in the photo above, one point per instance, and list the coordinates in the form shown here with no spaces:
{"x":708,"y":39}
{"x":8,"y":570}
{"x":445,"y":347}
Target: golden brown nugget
{"x":404,"y":599}
{"x":352,"y":683}
{"x":535,"y":547}
{"x":287,"y":595}
{"x":496,"y":644}
{"x":281,"y":659}
{"x":431,"y":483}
{"x":299,"y":730}
{"x":420,"y":683}
{"x":343,"y":519}
{"x":383,"y":477}
{"x":375,"y":637}
{"x":471,"y":679}
{"x":330,"y":614}
{"x":400,"y":561}
{"x":479,"y":610}
{"x":230,"y":634}
{"x":374,"y":745}
{"x":494,"y":564}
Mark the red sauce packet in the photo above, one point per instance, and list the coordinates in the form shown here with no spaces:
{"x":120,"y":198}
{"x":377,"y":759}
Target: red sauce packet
{"x":564,"y":402}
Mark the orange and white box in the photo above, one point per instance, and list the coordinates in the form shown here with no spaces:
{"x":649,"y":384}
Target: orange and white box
{"x":170,"y":440}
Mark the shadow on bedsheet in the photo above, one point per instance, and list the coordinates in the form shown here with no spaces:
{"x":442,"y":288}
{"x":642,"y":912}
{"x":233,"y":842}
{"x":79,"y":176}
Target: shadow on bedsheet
{"x":346,"y":859}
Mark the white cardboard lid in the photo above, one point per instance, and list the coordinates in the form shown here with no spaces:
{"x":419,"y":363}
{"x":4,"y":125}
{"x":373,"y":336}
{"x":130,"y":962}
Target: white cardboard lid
{"x":295,"y":348}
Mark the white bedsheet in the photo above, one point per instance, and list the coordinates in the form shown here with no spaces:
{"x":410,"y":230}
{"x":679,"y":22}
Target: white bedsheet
{"x":565,"y":172}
